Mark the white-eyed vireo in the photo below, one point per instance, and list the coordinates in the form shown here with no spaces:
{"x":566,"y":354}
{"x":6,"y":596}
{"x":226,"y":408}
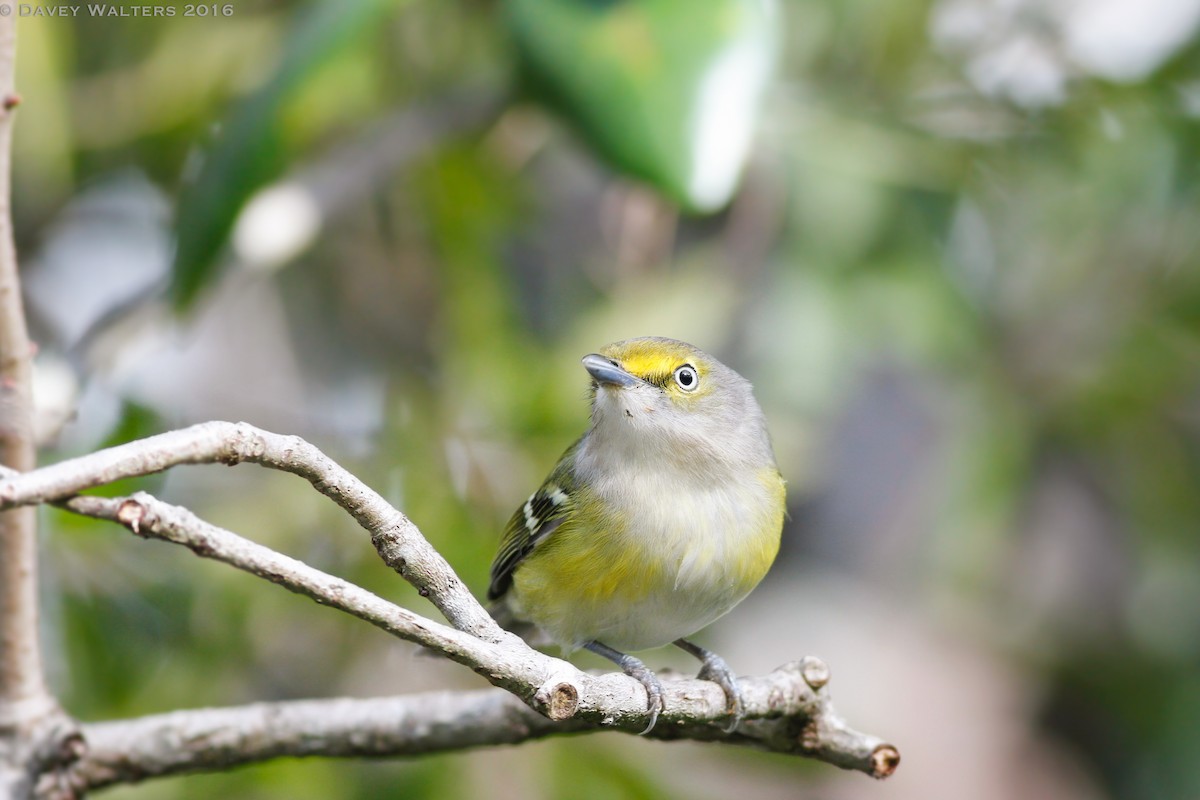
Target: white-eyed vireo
{"x":657,"y":521}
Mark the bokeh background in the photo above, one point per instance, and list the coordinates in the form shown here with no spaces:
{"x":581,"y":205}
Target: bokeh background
{"x":953,"y":243}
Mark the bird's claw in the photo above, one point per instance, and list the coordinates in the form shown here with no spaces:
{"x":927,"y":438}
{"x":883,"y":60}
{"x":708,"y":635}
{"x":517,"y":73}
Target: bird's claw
{"x":634,"y":668}
{"x":716,"y":670}
{"x":654,"y":694}
{"x":713,"y":668}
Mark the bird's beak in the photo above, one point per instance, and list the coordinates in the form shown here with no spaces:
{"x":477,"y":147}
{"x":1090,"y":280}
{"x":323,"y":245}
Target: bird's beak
{"x":607,"y":372}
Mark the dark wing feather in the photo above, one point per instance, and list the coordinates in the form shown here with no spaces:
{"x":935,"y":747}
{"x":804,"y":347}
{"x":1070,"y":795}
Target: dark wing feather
{"x":535,"y":520}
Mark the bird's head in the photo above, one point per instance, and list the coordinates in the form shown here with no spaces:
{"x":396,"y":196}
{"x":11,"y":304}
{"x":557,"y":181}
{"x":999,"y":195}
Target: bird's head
{"x":662,"y":394}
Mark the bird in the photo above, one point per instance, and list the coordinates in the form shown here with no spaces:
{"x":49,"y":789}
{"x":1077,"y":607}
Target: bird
{"x":658,"y":520}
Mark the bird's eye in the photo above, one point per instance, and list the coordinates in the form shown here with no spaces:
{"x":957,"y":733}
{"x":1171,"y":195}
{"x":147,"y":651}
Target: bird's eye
{"x":687,"y":378}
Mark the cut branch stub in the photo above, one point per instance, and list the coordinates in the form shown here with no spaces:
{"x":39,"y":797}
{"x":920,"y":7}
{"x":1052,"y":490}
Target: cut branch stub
{"x":130,"y":514}
{"x":564,"y":702}
{"x":815,"y":672}
{"x":885,"y":759}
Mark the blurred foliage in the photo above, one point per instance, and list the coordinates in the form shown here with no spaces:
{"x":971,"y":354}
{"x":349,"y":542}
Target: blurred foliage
{"x":668,"y":89}
{"x":960,"y":270}
{"x":254,"y":149}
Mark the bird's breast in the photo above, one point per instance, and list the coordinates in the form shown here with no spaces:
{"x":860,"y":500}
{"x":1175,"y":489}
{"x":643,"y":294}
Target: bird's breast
{"x":717,"y":538}
{"x":649,"y":558}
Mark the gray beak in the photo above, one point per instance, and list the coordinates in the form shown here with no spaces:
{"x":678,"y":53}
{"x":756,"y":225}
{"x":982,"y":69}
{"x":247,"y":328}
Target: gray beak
{"x":604,"y":371}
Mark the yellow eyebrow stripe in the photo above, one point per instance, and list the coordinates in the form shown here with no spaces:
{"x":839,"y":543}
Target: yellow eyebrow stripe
{"x":650,"y":359}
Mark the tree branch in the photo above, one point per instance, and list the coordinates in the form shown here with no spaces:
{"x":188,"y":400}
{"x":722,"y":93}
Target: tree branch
{"x":149,"y":517}
{"x":212,"y":739}
{"x":21,"y":683}
{"x":398,"y":541}
{"x":787,"y":711}
{"x":36,"y":736}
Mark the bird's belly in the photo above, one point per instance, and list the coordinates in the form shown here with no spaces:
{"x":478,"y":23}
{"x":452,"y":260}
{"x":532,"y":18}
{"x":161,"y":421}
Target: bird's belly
{"x":666,"y":572}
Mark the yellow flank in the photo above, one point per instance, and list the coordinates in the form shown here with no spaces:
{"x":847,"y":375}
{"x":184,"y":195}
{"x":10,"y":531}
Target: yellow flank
{"x":761,"y":550}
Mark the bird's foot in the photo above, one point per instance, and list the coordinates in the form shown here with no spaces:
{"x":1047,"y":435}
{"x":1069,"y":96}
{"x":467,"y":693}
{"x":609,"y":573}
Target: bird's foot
{"x":654,"y":692}
{"x":713,"y":668}
{"x":634,"y":668}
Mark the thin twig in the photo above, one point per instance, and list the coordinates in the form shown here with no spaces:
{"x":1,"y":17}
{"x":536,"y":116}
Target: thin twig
{"x":398,"y":541}
{"x":149,"y":517}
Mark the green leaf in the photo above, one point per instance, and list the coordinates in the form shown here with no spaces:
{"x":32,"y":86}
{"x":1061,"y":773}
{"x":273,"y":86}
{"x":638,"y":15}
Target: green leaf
{"x":668,"y":90}
{"x":248,"y":151}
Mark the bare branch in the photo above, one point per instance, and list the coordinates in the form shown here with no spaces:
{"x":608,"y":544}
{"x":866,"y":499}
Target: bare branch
{"x":149,"y":517}
{"x":398,"y":541}
{"x":219,"y":738}
{"x":21,"y":681}
{"x":786,"y":710}
{"x":36,"y":737}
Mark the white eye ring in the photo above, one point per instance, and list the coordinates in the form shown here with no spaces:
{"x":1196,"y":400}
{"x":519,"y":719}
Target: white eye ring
{"x":687,"y":378}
